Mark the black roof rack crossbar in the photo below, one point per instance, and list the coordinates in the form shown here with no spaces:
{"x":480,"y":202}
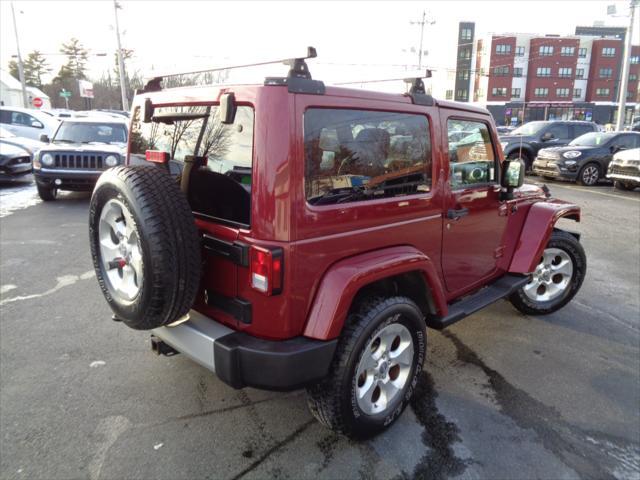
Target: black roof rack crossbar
{"x":298,"y":74}
{"x":417,"y":92}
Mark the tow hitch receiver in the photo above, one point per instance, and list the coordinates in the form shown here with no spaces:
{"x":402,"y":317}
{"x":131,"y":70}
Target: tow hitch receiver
{"x":161,"y":348}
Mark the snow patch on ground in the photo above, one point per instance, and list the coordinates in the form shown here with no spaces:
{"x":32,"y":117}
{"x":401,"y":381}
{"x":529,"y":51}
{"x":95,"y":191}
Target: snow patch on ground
{"x":17,"y":198}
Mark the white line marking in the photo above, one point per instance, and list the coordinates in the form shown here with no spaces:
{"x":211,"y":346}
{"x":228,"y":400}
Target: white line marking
{"x":63,"y":281}
{"x":97,"y":363}
{"x":593,"y":191}
{"x":109,"y":429}
{"x":6,"y":288}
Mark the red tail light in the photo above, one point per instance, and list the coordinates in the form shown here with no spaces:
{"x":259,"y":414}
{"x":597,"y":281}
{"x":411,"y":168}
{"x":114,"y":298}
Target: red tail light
{"x":266,"y":270}
{"x":156,"y":156}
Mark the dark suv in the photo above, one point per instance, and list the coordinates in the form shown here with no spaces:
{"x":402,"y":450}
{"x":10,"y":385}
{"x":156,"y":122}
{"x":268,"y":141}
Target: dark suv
{"x":289,"y":235}
{"x":525,"y":141}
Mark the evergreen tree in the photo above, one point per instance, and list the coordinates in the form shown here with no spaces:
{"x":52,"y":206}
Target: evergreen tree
{"x":77,"y":57}
{"x":35,"y":67}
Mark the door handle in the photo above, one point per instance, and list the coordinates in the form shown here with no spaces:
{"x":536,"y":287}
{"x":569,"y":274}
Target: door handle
{"x":453,"y":214}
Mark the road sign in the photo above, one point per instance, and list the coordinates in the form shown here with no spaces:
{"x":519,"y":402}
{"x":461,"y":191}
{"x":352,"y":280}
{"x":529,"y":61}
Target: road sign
{"x":65,"y":93}
{"x":86,"y":88}
{"x":37,"y":102}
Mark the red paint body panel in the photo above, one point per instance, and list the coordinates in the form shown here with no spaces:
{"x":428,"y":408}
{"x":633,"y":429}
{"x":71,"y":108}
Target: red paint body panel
{"x":536,"y":232}
{"x":342,"y":282}
{"x":331,"y":251}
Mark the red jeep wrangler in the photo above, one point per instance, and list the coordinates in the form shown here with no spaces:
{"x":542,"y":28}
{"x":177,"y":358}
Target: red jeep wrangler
{"x":293,"y":235}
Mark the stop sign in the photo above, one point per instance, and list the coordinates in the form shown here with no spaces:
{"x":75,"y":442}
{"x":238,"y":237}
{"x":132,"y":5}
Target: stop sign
{"x":37,"y":102}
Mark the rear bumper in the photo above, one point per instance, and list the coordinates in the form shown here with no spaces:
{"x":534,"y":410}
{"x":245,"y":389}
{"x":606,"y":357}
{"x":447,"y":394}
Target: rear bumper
{"x":241,"y":360}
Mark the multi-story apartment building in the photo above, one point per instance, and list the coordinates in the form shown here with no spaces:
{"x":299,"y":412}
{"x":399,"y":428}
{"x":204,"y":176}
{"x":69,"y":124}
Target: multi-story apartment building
{"x":524,"y":77}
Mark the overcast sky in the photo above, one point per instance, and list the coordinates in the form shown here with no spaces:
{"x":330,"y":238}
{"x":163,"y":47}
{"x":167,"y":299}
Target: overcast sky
{"x":355,"y":40}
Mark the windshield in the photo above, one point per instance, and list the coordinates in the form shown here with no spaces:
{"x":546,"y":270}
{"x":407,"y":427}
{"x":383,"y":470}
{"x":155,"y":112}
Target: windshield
{"x":592,"y":139}
{"x":530,"y":128}
{"x":85,"y":132}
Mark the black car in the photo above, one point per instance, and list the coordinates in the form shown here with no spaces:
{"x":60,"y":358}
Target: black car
{"x":15,"y":161}
{"x":525,"y":141}
{"x":586,"y":158}
{"x":80,"y":150}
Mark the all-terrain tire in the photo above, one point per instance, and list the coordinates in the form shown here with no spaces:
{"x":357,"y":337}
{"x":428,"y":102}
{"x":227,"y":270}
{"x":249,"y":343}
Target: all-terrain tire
{"x":569,"y":244}
{"x":167,"y":240}
{"x":623,"y":186}
{"x":47,"y":193}
{"x":333,"y":402}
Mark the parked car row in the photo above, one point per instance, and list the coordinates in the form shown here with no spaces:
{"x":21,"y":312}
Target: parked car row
{"x":65,"y":150}
{"x":576,"y":151}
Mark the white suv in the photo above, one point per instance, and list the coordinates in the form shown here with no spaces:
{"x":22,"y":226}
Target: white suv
{"x":28,"y":123}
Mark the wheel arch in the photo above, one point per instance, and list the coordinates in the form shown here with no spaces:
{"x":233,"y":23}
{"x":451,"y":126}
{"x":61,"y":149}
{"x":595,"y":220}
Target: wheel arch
{"x":538,"y":227}
{"x":391,"y":271}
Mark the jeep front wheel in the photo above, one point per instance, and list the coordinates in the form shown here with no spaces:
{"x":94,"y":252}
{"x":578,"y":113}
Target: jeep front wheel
{"x":144,"y":245}
{"x":46,"y":192}
{"x":556,"y":279}
{"x":375,"y":368}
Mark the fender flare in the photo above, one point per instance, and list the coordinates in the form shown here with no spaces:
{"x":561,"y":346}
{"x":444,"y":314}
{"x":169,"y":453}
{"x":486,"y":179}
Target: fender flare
{"x":526,"y":148}
{"x":344,"y":279}
{"x":542,"y":217}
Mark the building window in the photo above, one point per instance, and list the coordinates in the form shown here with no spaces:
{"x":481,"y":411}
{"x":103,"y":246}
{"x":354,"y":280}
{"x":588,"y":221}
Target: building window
{"x":480,"y":93}
{"x":562,"y":92}
{"x":465,"y":34}
{"x":633,"y":77}
{"x":635,"y":59}
{"x":545,"y":50}
{"x":606,"y":72}
{"x":464,"y":54}
{"x":499,"y":92}
{"x":449,"y":94}
{"x":541,"y":92}
{"x":629,"y":95}
{"x":503,"y":49}
{"x":515,"y":92}
{"x":543,"y":72}
{"x":565,"y":72}
{"x":463,"y":74}
{"x":567,"y":51}
{"x":579,"y":72}
{"x":582,"y":52}
{"x":608,"y":52}
{"x":462,"y":94}
{"x":602,"y":92}
{"x":577,"y":92}
{"x":519,"y":51}
{"x":501,"y":71}
{"x":517,"y":72}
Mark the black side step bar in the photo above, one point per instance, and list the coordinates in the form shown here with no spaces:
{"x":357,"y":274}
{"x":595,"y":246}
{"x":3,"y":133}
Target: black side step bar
{"x":501,"y":288}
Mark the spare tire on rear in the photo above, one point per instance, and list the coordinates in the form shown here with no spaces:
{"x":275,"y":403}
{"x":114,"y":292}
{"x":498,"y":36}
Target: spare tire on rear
{"x":145,"y":246}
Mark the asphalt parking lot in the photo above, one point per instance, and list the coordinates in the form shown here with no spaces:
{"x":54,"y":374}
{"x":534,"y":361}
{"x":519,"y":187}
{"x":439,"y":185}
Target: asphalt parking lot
{"x":504,"y":396}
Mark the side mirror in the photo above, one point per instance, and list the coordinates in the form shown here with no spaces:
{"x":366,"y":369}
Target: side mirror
{"x":228,"y":108}
{"x":37,"y":124}
{"x":547,"y":136}
{"x":512,"y":177}
{"x":147,"y":111}
{"x":45,"y":138}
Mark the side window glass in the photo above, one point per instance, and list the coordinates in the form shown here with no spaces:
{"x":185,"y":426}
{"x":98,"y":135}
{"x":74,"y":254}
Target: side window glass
{"x":626,"y":141}
{"x":358,"y":155}
{"x":560,"y":131}
{"x":581,"y":130}
{"x":5,"y":116}
{"x":471,"y":156}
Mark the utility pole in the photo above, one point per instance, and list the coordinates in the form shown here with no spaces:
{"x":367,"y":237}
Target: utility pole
{"x":123,"y":87}
{"x":422,"y":23}
{"x":20,"y":64}
{"x":624,"y":79}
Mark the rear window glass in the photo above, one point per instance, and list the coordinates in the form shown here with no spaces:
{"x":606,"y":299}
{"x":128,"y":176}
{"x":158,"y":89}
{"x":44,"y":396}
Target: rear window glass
{"x":220,"y":184}
{"x":357,"y":155}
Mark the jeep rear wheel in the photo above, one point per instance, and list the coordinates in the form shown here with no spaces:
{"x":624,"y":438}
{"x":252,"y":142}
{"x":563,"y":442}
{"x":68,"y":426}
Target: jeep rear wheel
{"x":556,"y":279}
{"x":375,"y":368}
{"x":144,"y":245}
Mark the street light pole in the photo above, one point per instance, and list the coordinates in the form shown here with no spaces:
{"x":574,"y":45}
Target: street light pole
{"x":123,"y":87}
{"x":624,"y":79}
{"x":20,"y":64}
